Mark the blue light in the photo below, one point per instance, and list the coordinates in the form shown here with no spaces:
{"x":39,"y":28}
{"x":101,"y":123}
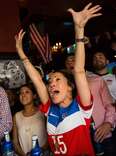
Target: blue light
{"x":68,"y":23}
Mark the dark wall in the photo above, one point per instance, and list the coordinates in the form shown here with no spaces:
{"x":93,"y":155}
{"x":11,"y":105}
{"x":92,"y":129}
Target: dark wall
{"x":9,"y":24}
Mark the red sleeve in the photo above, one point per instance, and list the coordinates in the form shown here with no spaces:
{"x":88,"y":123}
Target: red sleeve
{"x":45,"y":107}
{"x":85,"y":107}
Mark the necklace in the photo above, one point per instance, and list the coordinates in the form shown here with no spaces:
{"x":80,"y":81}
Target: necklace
{"x":30,"y":112}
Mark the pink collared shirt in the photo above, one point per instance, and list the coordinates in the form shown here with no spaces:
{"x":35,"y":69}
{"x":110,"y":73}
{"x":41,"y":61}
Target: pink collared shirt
{"x":103,"y":111}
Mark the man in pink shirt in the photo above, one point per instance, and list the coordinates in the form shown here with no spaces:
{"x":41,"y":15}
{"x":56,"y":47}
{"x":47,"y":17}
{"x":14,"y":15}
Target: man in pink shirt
{"x":103,"y":111}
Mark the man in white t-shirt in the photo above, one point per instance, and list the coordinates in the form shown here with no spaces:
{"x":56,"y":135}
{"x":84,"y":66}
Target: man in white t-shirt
{"x":100,"y":62}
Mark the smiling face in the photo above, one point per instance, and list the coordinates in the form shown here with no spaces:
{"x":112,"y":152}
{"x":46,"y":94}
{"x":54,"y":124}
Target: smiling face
{"x":99,"y":61}
{"x":26,"y":96}
{"x":59,"y":89}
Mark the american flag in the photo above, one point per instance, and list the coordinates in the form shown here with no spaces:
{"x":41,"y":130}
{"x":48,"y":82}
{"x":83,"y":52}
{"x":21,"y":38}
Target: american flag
{"x":42,"y":43}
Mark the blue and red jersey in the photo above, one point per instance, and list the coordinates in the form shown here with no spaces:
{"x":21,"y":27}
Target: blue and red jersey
{"x":69,"y":128}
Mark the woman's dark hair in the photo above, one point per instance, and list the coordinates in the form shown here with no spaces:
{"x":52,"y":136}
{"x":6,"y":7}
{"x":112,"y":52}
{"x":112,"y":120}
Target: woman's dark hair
{"x":30,"y":86}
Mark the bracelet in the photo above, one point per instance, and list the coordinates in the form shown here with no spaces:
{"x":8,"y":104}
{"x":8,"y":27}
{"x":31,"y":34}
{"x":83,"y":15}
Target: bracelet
{"x":25,"y":58}
{"x":85,"y":39}
{"x":80,"y":39}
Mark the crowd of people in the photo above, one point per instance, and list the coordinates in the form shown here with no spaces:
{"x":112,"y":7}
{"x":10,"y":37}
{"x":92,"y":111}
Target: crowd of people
{"x":69,"y":100}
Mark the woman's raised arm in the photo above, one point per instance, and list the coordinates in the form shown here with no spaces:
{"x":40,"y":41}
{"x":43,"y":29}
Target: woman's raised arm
{"x":31,"y":70}
{"x":80,"y":19}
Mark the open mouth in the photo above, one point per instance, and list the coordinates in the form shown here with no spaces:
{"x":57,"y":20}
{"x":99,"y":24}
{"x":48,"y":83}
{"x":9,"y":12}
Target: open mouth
{"x":55,"y":92}
{"x":71,"y":68}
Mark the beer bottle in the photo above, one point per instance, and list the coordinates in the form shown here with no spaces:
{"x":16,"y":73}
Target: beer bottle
{"x":7,"y":145}
{"x":36,"y":150}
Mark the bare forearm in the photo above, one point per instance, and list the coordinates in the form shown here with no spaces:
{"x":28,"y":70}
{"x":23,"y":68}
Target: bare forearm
{"x":21,"y":53}
{"x":80,"y":50}
{"x":32,"y":72}
{"x":80,"y":76}
{"x":37,"y":81}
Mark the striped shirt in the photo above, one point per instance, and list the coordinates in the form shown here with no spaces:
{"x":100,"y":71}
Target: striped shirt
{"x":5,"y":113}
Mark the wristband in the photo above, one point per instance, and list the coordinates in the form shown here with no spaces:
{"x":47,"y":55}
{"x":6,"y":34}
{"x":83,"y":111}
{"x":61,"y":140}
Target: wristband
{"x":25,"y":58}
{"x":80,"y":39}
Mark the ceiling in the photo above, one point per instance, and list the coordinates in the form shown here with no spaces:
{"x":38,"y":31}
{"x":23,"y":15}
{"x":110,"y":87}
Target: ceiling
{"x":58,"y":21}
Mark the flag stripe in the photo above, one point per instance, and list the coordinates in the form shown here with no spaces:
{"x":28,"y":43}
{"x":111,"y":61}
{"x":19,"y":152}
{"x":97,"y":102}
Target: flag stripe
{"x":38,"y":47}
{"x":42,"y":43}
{"x":34,"y":37}
{"x":38,"y":39}
{"x":38,"y":34}
{"x":48,"y":52}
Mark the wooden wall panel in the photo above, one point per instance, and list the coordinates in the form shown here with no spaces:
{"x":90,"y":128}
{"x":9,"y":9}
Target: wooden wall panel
{"x":9,"y":25}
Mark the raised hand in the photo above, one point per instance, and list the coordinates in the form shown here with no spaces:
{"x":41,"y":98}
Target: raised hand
{"x":19,"y":38}
{"x":81,"y":18}
{"x":19,"y":44}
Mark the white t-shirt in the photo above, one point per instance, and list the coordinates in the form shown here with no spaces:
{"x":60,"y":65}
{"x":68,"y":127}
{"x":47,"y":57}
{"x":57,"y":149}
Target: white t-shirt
{"x":111,"y":82}
{"x":29,"y":126}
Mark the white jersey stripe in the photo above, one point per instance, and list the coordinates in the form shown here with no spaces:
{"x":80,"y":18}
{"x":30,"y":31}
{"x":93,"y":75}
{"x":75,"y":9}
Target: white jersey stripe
{"x":86,"y":113}
{"x":69,"y":123}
